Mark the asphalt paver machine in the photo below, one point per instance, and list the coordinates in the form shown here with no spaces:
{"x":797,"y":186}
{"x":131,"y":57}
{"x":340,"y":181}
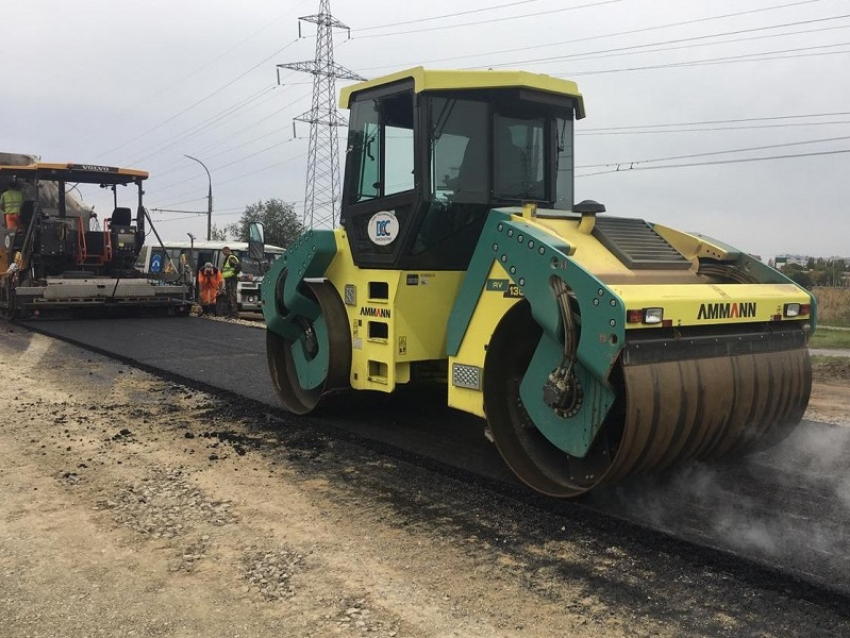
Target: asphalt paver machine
{"x":61,"y":260}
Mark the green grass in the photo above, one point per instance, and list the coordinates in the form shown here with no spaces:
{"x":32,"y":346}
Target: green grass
{"x":826,"y":338}
{"x":827,"y":361}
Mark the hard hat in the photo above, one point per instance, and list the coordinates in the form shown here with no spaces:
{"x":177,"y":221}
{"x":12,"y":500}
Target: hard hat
{"x":208,"y":265}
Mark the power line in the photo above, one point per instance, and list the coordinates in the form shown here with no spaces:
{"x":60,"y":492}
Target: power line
{"x":717,"y":162}
{"x":185,"y":201}
{"x":746,"y":57}
{"x":177,"y":219}
{"x":207,"y":64}
{"x":201,"y":101}
{"x":212,"y":125}
{"x":631,"y":49}
{"x":219,"y":118}
{"x":237,"y":178}
{"x":729,"y":121}
{"x":491,"y":20}
{"x":446,"y":15}
{"x":745,"y":127}
{"x":253,"y":125}
{"x":668,"y":25}
{"x":215,"y":168}
{"x":177,"y":210}
{"x":711,"y":153}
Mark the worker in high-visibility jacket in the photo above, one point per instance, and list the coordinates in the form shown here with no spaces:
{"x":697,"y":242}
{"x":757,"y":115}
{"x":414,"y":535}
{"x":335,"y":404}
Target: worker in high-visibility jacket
{"x":230,"y":270}
{"x":210,"y":283}
{"x":10,"y":204}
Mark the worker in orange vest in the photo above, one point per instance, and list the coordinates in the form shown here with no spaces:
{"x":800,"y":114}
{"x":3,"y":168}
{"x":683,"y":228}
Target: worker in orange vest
{"x":210,"y":283}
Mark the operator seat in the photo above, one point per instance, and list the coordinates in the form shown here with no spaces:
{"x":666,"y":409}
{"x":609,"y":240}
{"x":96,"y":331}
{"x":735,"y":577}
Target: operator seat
{"x":470,"y":185}
{"x":27,"y":212}
{"x":122,"y":217}
{"x":29,"y":209}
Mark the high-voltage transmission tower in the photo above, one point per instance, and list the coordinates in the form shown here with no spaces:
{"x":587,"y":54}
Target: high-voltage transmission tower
{"x":321,"y":197}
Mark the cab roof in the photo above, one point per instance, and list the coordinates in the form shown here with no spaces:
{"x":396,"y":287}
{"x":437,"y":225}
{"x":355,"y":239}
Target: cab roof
{"x":444,"y":80}
{"x":81,"y":173}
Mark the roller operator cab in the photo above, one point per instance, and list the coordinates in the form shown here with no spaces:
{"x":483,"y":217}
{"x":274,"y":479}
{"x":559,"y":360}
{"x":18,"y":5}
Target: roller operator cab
{"x":596,"y":347}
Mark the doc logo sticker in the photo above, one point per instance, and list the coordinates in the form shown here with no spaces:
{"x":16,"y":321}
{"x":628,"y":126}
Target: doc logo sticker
{"x":382,"y":228}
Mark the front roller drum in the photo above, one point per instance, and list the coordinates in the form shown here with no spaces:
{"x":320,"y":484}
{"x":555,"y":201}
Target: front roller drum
{"x":709,"y":409}
{"x":666,"y":413}
{"x":319,"y":360}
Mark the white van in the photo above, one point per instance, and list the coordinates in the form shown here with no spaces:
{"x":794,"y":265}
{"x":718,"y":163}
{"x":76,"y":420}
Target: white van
{"x":165,"y":265}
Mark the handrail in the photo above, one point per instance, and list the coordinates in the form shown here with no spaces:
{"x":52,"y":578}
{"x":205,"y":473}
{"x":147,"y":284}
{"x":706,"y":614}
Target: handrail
{"x":81,"y":243}
{"x":107,"y":241}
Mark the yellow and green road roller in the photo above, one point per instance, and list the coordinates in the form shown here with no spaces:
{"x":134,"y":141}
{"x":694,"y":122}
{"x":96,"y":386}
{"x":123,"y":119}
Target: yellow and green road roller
{"x":596,"y":347}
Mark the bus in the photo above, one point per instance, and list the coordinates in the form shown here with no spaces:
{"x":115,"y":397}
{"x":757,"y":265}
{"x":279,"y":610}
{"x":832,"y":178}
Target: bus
{"x":167,"y":266}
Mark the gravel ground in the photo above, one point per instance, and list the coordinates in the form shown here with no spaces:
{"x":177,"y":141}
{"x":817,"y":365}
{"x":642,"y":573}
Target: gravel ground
{"x":134,"y":506}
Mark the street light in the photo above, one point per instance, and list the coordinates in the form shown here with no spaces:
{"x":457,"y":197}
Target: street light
{"x":209,"y":196}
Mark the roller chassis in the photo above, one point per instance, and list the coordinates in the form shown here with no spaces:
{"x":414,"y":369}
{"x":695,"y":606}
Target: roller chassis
{"x":617,"y":371}
{"x":595,"y":348}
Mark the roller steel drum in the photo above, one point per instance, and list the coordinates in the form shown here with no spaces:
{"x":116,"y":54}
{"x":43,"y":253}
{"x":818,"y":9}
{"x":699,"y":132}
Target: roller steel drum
{"x":667,"y":413}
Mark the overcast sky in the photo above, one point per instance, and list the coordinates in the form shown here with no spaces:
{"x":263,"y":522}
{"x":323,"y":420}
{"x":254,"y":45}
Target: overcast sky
{"x":140,"y":84}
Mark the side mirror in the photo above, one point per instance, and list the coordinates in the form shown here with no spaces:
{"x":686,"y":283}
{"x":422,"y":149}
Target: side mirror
{"x":257,"y":243}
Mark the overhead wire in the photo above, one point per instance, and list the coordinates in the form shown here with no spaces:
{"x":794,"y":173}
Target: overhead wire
{"x":745,"y":127}
{"x":732,"y":59}
{"x":726,"y":121}
{"x":668,"y":25}
{"x":236,"y":178}
{"x":254,"y":125}
{"x":628,"y":50}
{"x":717,"y":162}
{"x":491,"y":20}
{"x":210,"y":122}
{"x":745,"y":57}
{"x":215,"y":168}
{"x":494,"y":7}
{"x":200,"y":101}
{"x":209,"y":63}
{"x":712,"y":153}
{"x":711,"y":126}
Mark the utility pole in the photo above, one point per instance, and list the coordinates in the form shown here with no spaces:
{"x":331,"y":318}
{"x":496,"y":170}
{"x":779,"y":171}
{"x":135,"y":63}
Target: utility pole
{"x":209,"y":196}
{"x":321,"y":196}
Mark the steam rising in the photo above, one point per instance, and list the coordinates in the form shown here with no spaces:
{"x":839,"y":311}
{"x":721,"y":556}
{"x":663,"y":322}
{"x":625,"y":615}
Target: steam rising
{"x":789,"y":506}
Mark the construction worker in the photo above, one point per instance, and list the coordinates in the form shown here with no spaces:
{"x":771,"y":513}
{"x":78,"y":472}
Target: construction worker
{"x":14,"y":267}
{"x":10,"y":204}
{"x":230,"y":271}
{"x":210,"y":283}
{"x":186,"y":275}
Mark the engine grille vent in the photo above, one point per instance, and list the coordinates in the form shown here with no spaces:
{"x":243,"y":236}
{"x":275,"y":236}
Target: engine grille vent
{"x":637,"y":245}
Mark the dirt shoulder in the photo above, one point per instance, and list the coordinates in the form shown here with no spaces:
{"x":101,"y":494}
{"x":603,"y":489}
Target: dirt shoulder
{"x":133,"y":506}
{"x":830,"y":400}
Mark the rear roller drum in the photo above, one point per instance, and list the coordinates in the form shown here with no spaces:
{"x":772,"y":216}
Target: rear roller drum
{"x":319,"y":360}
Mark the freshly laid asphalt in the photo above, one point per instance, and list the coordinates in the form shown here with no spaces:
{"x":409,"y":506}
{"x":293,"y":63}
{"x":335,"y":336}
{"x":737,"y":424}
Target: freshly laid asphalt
{"x":788,"y":508}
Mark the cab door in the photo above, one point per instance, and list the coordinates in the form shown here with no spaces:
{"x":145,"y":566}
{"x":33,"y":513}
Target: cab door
{"x":381,"y":191}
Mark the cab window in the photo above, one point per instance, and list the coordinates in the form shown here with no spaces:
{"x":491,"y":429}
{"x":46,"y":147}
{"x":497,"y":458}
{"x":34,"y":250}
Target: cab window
{"x":520,"y":158}
{"x":380,"y":148}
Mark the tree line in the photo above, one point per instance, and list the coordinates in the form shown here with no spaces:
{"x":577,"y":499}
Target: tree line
{"x":280,"y":221}
{"x":818,"y":272}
